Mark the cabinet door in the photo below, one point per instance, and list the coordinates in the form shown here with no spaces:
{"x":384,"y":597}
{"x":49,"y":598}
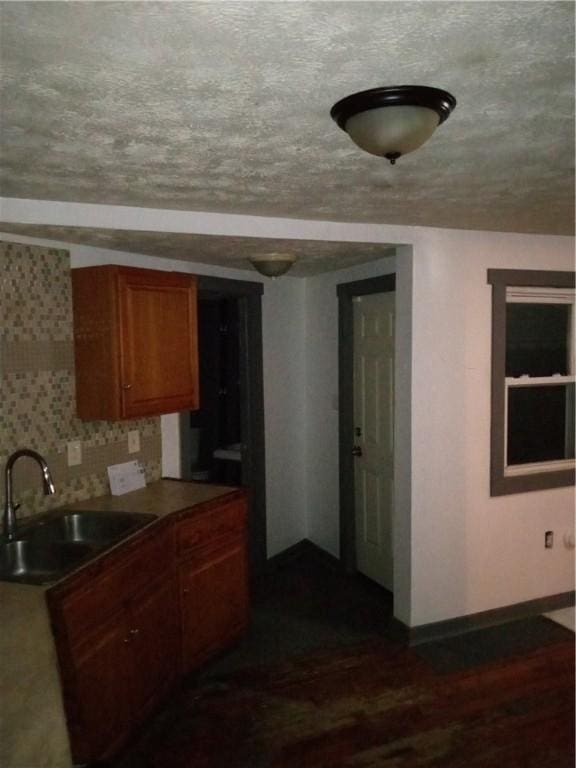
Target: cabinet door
{"x":213,"y":600}
{"x":155,"y":644}
{"x":99,"y":698}
{"x":96,"y":342}
{"x":158,"y":346}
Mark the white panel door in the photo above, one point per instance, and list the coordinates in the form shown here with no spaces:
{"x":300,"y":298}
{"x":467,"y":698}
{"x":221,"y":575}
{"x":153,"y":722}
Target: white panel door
{"x":374,"y":435}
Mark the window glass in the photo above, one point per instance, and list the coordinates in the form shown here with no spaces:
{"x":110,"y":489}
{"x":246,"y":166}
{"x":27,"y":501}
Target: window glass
{"x":537,"y":339}
{"x":540,"y":424}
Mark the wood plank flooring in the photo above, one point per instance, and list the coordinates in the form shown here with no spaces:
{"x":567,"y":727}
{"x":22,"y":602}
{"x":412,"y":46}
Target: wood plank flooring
{"x":302,"y":697}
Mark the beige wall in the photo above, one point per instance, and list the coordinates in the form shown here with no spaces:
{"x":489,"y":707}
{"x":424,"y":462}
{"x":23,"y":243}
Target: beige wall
{"x":37,"y":386}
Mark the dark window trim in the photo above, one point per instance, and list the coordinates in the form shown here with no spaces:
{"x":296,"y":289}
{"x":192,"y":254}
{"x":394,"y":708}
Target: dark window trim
{"x":500,"y":280}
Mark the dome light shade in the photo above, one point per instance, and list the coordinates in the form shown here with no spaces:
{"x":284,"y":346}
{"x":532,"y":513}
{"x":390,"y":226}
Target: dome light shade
{"x":391,"y":122}
{"x":272,"y":264}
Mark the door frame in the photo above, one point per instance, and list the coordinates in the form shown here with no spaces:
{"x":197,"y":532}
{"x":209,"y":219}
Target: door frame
{"x":346,"y":293}
{"x":249,"y":295}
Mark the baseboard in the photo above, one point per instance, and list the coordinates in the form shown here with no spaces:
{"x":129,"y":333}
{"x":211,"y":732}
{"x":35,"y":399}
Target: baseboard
{"x":440,"y":630}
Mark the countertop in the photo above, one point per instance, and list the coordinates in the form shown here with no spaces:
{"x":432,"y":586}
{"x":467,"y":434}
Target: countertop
{"x":33,"y":732}
{"x":161,"y":498}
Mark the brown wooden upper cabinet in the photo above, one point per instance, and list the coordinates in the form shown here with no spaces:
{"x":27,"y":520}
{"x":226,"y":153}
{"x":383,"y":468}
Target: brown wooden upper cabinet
{"x":135,"y":342}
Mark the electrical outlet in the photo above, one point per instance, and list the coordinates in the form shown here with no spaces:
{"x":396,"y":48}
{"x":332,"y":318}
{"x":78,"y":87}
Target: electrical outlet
{"x":549,"y":539}
{"x":133,"y":441}
{"x":74,"y":450}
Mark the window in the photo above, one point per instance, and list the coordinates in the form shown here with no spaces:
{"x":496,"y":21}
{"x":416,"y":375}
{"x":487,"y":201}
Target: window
{"x":532,"y":434}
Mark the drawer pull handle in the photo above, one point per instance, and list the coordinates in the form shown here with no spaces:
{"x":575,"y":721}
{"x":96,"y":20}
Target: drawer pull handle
{"x":134,"y":632}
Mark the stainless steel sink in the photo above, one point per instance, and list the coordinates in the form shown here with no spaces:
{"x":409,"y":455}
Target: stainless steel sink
{"x":48,"y":549}
{"x":93,"y":528}
{"x":32,"y":563}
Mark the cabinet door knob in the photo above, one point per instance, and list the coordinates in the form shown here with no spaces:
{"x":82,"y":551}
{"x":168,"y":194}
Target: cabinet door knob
{"x":185,"y":591}
{"x":126,"y":386}
{"x":134,"y":632}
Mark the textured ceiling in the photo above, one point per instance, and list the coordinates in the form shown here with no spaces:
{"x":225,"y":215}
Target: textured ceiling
{"x":314,"y":257}
{"x":224,"y":106}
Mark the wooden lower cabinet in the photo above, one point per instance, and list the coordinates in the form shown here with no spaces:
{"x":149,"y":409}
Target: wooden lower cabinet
{"x":156,"y":645}
{"x":213,"y":600}
{"x":213,"y":580}
{"x":118,"y":644}
{"x":129,"y":626}
{"x":98,"y":696}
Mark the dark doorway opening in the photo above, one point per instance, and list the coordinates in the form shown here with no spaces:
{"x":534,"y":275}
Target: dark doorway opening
{"x":223,"y":441}
{"x":216,"y":428}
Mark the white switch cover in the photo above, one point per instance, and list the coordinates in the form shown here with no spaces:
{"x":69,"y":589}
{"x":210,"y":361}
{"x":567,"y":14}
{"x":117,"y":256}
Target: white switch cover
{"x":133,"y":441}
{"x":74,"y":450}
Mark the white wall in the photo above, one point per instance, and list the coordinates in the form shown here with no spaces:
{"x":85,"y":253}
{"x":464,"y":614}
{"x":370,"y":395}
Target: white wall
{"x":283,"y":316}
{"x":471,"y":552}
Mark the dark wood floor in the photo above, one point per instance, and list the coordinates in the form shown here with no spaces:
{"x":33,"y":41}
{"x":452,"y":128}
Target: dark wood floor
{"x":325,"y":680}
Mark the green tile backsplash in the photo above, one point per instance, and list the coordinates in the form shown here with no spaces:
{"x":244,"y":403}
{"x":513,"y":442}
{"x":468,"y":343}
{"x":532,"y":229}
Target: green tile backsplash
{"x":37,"y":400}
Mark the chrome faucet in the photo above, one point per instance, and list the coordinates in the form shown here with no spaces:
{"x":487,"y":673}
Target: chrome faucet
{"x":9,"y":506}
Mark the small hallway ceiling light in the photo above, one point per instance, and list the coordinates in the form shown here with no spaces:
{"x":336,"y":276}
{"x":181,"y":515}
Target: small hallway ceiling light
{"x":391,"y":122}
{"x":272,"y":264}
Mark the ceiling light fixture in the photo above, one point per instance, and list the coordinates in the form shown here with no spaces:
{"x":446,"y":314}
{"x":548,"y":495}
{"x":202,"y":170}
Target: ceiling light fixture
{"x":272,"y":264}
{"x":391,"y":122}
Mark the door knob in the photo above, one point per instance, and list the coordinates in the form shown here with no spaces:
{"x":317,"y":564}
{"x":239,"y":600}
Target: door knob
{"x":357,"y":451}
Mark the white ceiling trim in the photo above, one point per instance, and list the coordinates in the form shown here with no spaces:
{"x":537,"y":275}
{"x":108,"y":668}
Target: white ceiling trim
{"x":47,"y":212}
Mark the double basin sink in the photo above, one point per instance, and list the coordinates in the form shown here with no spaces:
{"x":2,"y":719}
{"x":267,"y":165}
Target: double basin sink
{"x":45,"y":551}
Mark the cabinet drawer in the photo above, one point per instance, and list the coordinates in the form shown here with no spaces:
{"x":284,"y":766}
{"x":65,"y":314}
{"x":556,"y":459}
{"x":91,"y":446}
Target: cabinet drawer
{"x":83,"y":608}
{"x":212,"y":529}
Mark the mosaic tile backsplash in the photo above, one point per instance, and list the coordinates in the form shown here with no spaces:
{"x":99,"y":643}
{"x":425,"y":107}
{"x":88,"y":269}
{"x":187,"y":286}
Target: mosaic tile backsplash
{"x":37,"y":400}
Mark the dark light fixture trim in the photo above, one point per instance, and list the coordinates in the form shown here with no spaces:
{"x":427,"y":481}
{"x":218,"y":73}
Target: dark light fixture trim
{"x":393,"y":121}
{"x":440,"y":101}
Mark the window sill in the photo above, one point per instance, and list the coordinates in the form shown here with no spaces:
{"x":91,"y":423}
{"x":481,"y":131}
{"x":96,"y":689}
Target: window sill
{"x":502,"y":485}
{"x":520,"y":470}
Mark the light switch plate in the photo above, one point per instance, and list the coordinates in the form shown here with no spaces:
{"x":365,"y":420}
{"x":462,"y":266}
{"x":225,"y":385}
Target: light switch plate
{"x":74,"y":451}
{"x":133,"y":441}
